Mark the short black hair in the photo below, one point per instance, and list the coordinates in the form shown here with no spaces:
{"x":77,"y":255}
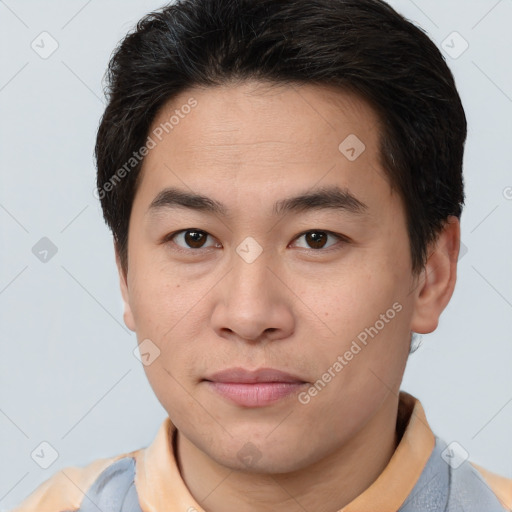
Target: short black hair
{"x":361,"y":46}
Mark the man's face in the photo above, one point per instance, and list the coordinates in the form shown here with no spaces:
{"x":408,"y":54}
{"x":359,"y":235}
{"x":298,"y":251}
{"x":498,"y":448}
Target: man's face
{"x":263,"y":281}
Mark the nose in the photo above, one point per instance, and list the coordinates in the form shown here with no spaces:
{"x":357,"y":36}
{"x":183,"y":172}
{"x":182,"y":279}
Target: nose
{"x":253,"y":304}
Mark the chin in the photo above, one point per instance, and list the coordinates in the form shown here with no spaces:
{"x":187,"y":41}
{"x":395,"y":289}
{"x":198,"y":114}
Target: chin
{"x":280,"y":456}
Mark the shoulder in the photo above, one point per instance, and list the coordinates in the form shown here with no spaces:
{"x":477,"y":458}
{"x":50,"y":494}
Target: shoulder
{"x":450,"y":482}
{"x":65,"y":490}
{"x":500,"y":486}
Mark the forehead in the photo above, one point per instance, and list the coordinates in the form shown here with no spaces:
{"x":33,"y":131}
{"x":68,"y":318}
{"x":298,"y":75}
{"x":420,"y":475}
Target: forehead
{"x":260,"y":136}
{"x":240,"y":117}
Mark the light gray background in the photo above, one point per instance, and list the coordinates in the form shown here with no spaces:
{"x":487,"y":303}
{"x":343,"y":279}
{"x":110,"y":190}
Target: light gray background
{"x":68,"y":374}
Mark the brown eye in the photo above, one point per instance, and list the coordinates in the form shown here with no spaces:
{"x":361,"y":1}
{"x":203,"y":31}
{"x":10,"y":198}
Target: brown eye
{"x":316,"y":239}
{"x":193,"y":239}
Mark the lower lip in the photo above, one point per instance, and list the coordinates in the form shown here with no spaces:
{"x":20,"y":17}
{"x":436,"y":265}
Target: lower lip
{"x":256,"y":394}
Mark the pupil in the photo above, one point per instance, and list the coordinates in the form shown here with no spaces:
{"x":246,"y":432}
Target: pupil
{"x":316,"y":240}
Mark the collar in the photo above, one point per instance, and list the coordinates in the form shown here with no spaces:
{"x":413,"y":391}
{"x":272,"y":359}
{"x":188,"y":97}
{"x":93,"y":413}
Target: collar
{"x":160,"y":486}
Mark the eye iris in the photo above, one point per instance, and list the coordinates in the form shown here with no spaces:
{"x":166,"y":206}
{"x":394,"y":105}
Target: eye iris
{"x":316,"y":239}
{"x":195,"y":239}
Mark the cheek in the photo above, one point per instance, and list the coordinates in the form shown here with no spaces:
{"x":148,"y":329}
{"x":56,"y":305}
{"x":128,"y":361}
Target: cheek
{"x":348,"y":302}
{"x":170,"y":311}
{"x":159,"y":297}
{"x":368,"y":314}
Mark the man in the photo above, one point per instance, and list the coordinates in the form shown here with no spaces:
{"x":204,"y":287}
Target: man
{"x":284,"y":185}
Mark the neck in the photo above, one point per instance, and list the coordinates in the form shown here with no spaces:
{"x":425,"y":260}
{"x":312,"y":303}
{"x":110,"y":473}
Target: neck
{"x":325,"y":486}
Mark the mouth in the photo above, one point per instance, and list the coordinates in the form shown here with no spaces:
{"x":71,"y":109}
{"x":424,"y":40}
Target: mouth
{"x":254,"y":388}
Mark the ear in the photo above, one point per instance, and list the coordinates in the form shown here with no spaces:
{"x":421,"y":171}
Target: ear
{"x":434,"y":287}
{"x":123,"y":281}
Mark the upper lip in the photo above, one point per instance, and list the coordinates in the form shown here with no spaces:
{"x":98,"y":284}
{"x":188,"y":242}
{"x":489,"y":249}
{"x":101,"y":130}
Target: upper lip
{"x":241,"y":375}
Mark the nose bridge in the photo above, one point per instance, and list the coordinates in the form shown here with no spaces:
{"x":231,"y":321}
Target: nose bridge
{"x":249,"y":279}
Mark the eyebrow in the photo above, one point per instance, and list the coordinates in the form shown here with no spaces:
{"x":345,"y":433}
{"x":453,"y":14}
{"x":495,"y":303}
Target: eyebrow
{"x":334,"y":198}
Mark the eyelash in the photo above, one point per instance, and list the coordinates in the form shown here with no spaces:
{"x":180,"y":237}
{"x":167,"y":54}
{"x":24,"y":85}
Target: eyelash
{"x":341,"y":238}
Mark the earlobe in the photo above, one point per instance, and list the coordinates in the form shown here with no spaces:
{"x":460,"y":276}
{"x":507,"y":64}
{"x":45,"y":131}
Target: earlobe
{"x":123,"y":282}
{"x":436,"y":283}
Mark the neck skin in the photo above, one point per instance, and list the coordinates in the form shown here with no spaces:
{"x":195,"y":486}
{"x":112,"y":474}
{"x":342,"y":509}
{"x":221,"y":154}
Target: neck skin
{"x":326,"y":486}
